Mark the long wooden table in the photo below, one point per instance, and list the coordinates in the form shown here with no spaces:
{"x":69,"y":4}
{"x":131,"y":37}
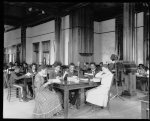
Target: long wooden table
{"x":71,"y":86}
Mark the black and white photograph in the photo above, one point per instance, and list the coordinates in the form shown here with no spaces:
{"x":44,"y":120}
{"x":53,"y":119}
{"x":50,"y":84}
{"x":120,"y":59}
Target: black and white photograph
{"x":76,"y":60}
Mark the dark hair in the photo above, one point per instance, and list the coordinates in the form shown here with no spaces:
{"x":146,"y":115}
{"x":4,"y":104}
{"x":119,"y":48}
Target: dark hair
{"x":57,"y":63}
{"x":35,"y":65}
{"x":101,"y":63}
{"x":42,"y":67}
{"x":16,"y":62}
{"x":24,"y":63}
{"x":140,"y":65}
{"x":10,"y":63}
{"x":93,"y":63}
{"x":71,"y":64}
{"x":87,"y":63}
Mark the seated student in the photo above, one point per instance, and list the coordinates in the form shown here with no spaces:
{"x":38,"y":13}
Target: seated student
{"x":93,"y":70}
{"x":33,"y":69}
{"x":10,"y":68}
{"x":24,"y":68}
{"x":86,"y":67}
{"x":47,"y":102}
{"x":71,"y":72}
{"x":141,"y":70}
{"x":33,"y":72}
{"x":56,"y":73}
{"x":16,"y":79}
{"x":99,"y":95}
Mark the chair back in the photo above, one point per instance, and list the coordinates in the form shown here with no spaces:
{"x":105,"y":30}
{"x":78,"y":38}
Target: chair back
{"x":5,"y":79}
{"x":108,"y":103}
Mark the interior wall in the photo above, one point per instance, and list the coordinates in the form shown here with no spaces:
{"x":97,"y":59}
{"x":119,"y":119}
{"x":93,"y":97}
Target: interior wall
{"x":42,"y":32}
{"x":104,"y":40}
{"x":12,"y":37}
{"x":140,"y":37}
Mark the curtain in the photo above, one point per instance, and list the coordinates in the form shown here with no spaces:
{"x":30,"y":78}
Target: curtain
{"x":146,"y":34}
{"x":129,"y":42}
{"x":81,"y":43}
{"x":119,"y":36}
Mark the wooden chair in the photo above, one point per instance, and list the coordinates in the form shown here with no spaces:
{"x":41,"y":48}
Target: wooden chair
{"x":5,"y":79}
{"x":12,"y":91}
{"x":33,"y":87}
{"x":108,"y":103}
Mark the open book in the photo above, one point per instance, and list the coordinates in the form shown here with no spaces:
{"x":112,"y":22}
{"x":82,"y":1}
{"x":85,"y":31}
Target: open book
{"x":72,"y":79}
{"x":56,"y":81}
{"x":89,"y":74}
{"x":95,"y":80}
{"x":28,"y":74}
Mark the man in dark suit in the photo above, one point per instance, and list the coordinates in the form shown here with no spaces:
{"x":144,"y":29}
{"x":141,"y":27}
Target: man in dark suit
{"x":73,"y":95}
{"x":93,"y":71}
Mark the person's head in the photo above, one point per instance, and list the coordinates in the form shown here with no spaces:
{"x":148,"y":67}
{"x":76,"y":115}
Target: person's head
{"x":57,"y":66}
{"x":43,"y":70}
{"x":17,"y":69}
{"x":10,"y":64}
{"x":25,"y":64}
{"x":71,"y":67}
{"x":101,"y":64}
{"x":140,"y":66}
{"x":34,"y":66}
{"x":92,"y":66}
{"x":16,"y":63}
{"x":105,"y":69}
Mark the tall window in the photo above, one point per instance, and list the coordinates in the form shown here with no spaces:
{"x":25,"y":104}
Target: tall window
{"x":36,"y":53}
{"x":13,"y":57}
{"x":46,"y":52}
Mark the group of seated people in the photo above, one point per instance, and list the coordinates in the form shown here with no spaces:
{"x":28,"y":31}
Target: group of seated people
{"x":142,"y":76}
{"x":49,"y":101}
{"x":15,"y":76}
{"x":142,"y":70}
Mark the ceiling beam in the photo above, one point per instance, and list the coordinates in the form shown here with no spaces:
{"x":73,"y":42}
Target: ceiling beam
{"x":79,"y":5}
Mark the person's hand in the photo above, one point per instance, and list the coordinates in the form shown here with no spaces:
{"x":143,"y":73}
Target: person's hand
{"x":66,"y":72}
{"x":49,"y":81}
{"x":75,"y":77}
{"x":58,"y":77}
{"x":86,"y":75}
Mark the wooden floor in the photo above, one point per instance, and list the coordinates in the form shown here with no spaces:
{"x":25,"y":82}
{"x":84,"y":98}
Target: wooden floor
{"x":130,"y":108}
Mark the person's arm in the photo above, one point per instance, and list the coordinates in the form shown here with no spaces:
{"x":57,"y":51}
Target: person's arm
{"x":66,"y":72}
{"x":51,"y":75}
{"x":18,"y":78}
{"x":39,"y":83}
{"x":47,"y":83}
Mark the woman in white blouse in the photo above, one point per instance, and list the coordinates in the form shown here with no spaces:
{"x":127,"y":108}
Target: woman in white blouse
{"x":99,"y":95}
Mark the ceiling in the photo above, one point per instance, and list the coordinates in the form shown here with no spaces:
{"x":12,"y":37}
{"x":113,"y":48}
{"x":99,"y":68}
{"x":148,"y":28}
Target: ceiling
{"x":33,"y":13}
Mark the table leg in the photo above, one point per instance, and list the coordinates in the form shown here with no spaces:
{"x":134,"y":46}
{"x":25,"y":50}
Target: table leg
{"x":24,"y":90}
{"x":82,"y":97}
{"x":66,"y":101}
